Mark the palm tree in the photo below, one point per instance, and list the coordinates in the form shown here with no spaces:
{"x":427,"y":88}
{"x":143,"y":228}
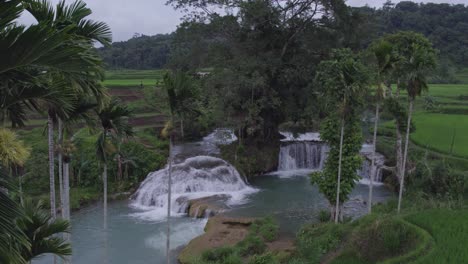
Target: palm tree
{"x":81,"y":112}
{"x":82,"y":33}
{"x":42,"y":232}
{"x":114,"y":124}
{"x":382,"y":51}
{"x":344,"y":80}
{"x":182,"y":96}
{"x":9,"y":231}
{"x":420,"y":59}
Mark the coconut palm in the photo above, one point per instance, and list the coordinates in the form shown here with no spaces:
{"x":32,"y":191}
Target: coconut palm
{"x":42,"y":232}
{"x":114,"y":125}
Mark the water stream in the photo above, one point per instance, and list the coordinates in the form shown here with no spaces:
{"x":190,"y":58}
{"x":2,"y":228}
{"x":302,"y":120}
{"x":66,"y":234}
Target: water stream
{"x":136,"y":228}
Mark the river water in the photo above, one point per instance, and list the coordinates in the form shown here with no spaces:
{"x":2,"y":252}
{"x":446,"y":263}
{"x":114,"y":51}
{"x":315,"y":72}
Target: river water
{"x":136,"y":229}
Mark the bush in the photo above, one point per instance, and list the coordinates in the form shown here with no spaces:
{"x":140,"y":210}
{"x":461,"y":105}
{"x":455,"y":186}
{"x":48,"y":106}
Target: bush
{"x":225,"y":255}
{"x":316,"y":240}
{"x":251,"y":245}
{"x":383,"y":238}
{"x":324,"y":216}
{"x":266,"y":228}
{"x":267,"y":258}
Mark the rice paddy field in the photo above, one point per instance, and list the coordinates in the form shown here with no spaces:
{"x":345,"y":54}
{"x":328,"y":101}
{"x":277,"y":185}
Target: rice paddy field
{"x":449,"y":229}
{"x":441,"y":119}
{"x":133,"y":78}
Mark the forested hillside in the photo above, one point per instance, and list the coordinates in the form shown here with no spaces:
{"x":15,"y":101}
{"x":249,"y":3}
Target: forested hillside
{"x":140,"y":52}
{"x":444,"y":24}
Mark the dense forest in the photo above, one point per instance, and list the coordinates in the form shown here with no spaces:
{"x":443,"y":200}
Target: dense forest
{"x":444,"y":24}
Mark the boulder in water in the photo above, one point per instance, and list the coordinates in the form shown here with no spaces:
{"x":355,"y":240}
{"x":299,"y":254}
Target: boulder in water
{"x":207,"y":206}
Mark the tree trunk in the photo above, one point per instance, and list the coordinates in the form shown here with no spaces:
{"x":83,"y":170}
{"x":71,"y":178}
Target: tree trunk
{"x":50,"y":125}
{"x":182,"y":127}
{"x":104,"y":181}
{"x":169,"y":185}
{"x":60,"y":167}
{"x":66,"y":192}
{"x":66,"y":189}
{"x":119,"y":167}
{"x":373,"y":169}
{"x":405,"y":157}
{"x":339,"y":173}
{"x":399,"y":140}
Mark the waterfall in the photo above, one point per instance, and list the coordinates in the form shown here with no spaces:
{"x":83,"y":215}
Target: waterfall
{"x":306,"y":151}
{"x":301,"y":155}
{"x":195,"y":177}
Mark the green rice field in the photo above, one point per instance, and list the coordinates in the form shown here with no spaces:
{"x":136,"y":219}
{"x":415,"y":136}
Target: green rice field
{"x":445,"y":127}
{"x":132,"y":78}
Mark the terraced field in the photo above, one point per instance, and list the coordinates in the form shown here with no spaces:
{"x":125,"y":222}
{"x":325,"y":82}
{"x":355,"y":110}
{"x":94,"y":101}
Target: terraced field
{"x":128,"y":86}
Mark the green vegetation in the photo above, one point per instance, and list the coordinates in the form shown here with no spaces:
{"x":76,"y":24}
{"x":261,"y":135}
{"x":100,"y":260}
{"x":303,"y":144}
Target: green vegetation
{"x":448,"y":229}
{"x":133,"y":78}
{"x":343,"y":82}
{"x":252,"y":248}
{"x":440,"y":127}
{"x":142,"y":154}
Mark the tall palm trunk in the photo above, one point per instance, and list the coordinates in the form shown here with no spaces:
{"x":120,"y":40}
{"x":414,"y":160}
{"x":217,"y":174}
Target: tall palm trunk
{"x":399,"y":140}
{"x":337,"y":210}
{"x":405,"y":156}
{"x":66,"y":189}
{"x":104,"y":180}
{"x":169,"y":187}
{"x":66,"y":200}
{"x":373,"y":169}
{"x":50,"y":125}
{"x":60,"y":167}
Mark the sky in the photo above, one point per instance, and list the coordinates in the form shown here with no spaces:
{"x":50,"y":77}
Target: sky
{"x":150,"y":17}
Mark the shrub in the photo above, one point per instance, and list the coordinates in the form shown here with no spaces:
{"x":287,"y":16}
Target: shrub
{"x":324,"y":216}
{"x":252,"y":244}
{"x":218,"y":254}
{"x":314,"y":241}
{"x":266,"y":228}
{"x":267,"y":258}
{"x":383,"y":238}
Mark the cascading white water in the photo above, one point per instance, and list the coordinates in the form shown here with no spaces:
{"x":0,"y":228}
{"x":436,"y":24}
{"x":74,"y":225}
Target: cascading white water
{"x":306,"y":151}
{"x":301,"y":155}
{"x":195,"y":177}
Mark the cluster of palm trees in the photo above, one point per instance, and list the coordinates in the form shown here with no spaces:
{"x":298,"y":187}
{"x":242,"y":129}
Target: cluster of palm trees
{"x":51,"y":67}
{"x":405,"y":58}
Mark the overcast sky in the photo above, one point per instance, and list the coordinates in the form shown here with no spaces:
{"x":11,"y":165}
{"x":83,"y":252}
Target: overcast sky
{"x":151,"y":17}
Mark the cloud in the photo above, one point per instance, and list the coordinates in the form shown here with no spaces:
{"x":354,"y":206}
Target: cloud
{"x":152,"y":17}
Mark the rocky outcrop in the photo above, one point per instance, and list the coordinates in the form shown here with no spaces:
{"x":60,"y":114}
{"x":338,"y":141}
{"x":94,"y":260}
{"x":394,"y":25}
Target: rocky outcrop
{"x":219,"y":231}
{"x":207,"y":206}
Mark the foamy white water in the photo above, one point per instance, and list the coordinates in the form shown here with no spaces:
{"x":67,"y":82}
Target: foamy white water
{"x":196,"y":177}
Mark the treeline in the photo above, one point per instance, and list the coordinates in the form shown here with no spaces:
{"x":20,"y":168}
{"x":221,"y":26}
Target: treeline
{"x":140,"y":52}
{"x":444,"y":24}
